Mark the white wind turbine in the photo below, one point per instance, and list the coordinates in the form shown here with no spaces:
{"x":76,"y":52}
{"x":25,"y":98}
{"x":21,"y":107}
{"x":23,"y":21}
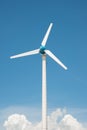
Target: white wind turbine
{"x":42,"y":50}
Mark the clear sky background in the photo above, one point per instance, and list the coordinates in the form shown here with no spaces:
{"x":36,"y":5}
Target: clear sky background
{"x":22,"y":28}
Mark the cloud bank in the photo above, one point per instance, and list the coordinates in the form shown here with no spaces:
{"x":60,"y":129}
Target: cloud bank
{"x":57,"y":120}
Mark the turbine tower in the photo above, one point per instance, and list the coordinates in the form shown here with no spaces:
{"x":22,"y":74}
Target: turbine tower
{"x":42,"y":50}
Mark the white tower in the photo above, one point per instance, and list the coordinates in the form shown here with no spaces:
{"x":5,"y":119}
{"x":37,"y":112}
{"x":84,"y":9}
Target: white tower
{"x":44,"y":94}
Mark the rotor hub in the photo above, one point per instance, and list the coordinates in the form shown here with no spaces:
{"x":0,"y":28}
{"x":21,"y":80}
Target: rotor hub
{"x":42,"y":49}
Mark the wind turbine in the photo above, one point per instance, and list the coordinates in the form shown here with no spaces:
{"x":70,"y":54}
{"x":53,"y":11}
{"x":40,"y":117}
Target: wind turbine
{"x":42,"y":50}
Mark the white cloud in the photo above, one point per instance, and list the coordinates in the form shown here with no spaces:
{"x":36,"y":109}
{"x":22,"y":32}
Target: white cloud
{"x":70,"y":123}
{"x":32,"y":113}
{"x":57,"y":120}
{"x":19,"y":122}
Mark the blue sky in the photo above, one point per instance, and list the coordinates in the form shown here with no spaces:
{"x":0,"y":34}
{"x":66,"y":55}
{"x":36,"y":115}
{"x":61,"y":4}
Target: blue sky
{"x":22,"y":28}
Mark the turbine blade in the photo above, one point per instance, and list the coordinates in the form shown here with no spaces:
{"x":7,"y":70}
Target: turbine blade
{"x":26,"y":54}
{"x":46,"y":35}
{"x":55,"y":59}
